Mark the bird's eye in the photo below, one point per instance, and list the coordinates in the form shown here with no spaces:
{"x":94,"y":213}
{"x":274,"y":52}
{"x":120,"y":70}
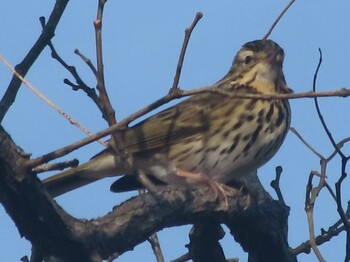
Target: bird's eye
{"x":247,"y":59}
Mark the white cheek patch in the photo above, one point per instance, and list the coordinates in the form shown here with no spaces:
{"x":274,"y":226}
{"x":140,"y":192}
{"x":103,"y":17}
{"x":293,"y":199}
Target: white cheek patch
{"x":265,"y":73}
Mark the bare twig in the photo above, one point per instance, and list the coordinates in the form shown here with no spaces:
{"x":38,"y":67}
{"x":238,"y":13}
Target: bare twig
{"x":188,"y":32}
{"x":107,"y":109}
{"x":183,"y":258}
{"x":70,"y":148}
{"x":22,"y":68}
{"x":311,"y":195}
{"x":330,"y":190}
{"x":339,"y":145}
{"x":325,"y":236}
{"x":343,"y":92}
{"x":278,"y":19}
{"x":321,"y":239}
{"x":153,"y":240}
{"x":344,"y":160}
{"x":87,"y":61}
{"x":56,"y":166}
{"x":340,"y":209}
{"x":295,"y":132}
{"x":72,"y":70}
{"x":48,"y":101}
{"x":320,"y":116}
{"x":105,"y":105}
{"x":336,"y":196}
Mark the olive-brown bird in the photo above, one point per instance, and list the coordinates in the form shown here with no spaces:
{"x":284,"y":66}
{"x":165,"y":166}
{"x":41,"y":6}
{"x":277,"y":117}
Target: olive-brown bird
{"x":209,"y":135}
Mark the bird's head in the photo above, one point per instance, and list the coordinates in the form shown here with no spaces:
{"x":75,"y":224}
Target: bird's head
{"x":259,"y":64}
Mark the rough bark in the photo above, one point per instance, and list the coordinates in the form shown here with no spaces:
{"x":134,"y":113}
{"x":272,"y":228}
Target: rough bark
{"x":261,"y":229}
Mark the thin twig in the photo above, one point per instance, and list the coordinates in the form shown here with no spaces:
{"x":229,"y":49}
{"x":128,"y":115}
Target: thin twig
{"x":343,"y":216}
{"x":72,"y":70}
{"x":320,"y":116}
{"x":56,"y":166}
{"x":321,"y":239}
{"x":278,"y":19}
{"x":105,"y":104}
{"x":295,"y":132}
{"x":119,"y":126}
{"x":344,"y":160}
{"x":330,"y":190}
{"x":324,"y":237}
{"x":183,"y":258}
{"x":343,"y":92}
{"x":48,"y":101}
{"x":153,"y":240}
{"x":311,"y":195}
{"x":339,"y":145}
{"x":87,"y":61}
{"x":47,"y":33}
{"x":72,"y":147}
{"x":188,"y":32}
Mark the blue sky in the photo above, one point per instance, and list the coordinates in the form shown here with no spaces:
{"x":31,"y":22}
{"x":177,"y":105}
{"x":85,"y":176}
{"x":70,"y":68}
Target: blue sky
{"x":142,"y":41}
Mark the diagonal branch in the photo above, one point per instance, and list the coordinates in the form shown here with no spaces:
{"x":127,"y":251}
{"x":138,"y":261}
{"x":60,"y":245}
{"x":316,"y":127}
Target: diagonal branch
{"x":23,"y":67}
{"x":165,"y":99}
{"x":48,"y":101}
{"x":72,"y":70}
{"x":278,"y":19}
{"x":188,"y":33}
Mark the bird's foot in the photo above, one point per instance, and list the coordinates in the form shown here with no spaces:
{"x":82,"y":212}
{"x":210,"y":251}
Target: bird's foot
{"x":220,"y":190}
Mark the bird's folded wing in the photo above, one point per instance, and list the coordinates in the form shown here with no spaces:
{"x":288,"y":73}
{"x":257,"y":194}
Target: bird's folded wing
{"x":187,"y":120}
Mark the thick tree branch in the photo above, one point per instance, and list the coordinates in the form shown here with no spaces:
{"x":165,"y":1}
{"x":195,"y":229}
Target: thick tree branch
{"x":262,"y":232}
{"x":47,"y":226}
{"x":204,"y":242}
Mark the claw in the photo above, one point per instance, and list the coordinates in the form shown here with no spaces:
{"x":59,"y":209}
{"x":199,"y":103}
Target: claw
{"x":219,"y":189}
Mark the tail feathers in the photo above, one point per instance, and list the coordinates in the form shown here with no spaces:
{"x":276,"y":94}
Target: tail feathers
{"x":67,"y":181}
{"x":97,"y":168}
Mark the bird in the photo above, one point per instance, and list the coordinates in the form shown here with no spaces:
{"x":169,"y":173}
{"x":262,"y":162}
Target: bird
{"x":210,"y":136}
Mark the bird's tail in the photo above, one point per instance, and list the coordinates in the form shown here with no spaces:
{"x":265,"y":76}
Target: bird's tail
{"x":103,"y":165}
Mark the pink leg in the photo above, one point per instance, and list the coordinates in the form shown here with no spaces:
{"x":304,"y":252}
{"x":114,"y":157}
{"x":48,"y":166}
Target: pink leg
{"x":218,"y":188}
